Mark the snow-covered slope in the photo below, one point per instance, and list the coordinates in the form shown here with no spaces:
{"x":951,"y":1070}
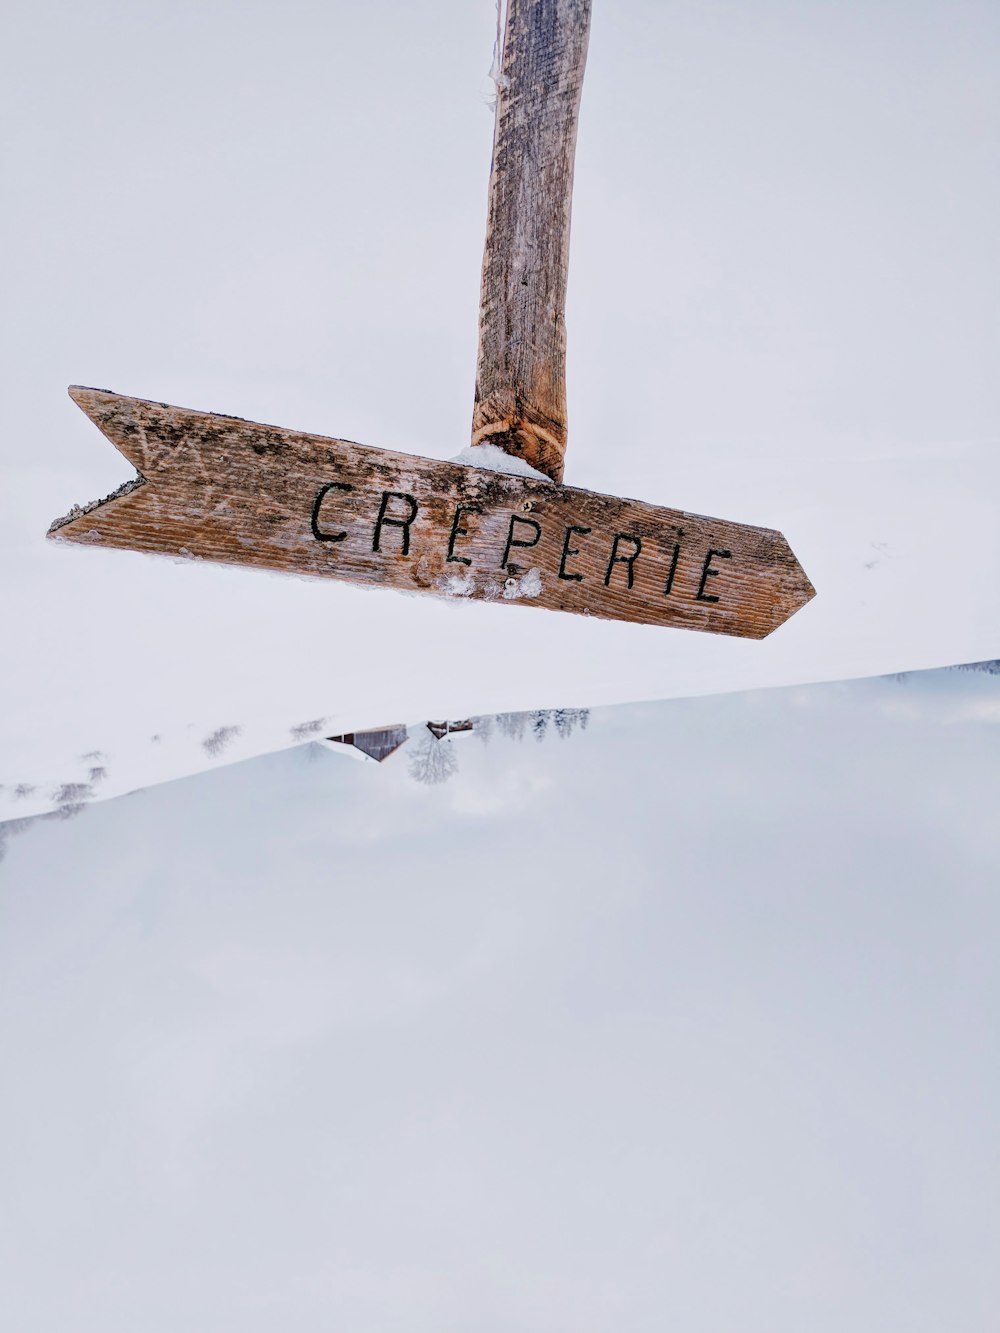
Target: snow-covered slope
{"x":709,"y":989}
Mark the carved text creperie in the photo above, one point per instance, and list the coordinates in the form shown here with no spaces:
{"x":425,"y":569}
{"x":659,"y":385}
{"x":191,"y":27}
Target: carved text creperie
{"x":397,"y":511}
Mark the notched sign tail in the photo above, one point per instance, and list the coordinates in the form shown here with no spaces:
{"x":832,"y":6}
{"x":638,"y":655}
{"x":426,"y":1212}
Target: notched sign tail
{"x":102,"y":414}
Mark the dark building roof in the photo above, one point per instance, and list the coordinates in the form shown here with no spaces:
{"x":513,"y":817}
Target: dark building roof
{"x":378,"y":744}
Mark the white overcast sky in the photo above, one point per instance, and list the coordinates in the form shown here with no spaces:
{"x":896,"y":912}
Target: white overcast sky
{"x":687,"y":1021}
{"x":784,"y":309}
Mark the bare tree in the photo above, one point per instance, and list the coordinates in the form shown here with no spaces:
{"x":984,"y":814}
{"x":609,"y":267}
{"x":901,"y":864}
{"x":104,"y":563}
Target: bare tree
{"x":302,"y":731}
{"x":217,"y":742}
{"x":73,"y":793}
{"x":432,"y":761}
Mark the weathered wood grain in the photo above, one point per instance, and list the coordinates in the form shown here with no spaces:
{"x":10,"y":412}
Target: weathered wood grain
{"x":521,"y":374}
{"x":222,"y":489}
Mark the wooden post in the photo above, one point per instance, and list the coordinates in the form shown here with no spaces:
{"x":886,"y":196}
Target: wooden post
{"x":521,"y":371}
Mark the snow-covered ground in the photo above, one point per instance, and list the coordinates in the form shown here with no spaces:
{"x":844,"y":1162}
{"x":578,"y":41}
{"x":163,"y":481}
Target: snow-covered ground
{"x":784,"y":305}
{"x":707,"y":989}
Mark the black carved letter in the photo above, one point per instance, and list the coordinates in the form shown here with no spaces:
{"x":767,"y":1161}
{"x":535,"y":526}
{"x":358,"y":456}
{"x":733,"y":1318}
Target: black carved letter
{"x":627,"y":560}
{"x":708,"y":573}
{"x":568,"y":550}
{"x":458,"y":531}
{"x":385,"y":520}
{"x":673,"y":570}
{"x":513,"y":541}
{"x":320,"y":497}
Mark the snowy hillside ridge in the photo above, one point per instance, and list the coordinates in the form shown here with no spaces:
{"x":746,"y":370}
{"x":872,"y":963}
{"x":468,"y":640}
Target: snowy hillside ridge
{"x":431,"y":751}
{"x":131,"y":760}
{"x":431,"y":758}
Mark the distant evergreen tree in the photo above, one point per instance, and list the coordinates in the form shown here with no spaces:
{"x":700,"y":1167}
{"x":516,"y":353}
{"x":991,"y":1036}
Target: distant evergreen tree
{"x":512,"y":725}
{"x":564,"y":720}
{"x":568,"y":719}
{"x":515,"y":726}
{"x":540,"y":723}
{"x":483,"y":727}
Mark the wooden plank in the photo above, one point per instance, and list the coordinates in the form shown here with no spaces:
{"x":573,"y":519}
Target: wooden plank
{"x":521,"y":373}
{"x":222,"y":489}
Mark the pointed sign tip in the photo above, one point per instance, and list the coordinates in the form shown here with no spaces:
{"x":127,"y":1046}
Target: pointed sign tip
{"x":800,"y":597}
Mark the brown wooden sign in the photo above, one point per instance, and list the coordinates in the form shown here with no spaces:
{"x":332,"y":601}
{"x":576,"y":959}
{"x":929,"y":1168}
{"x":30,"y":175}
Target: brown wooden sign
{"x":222,"y":489}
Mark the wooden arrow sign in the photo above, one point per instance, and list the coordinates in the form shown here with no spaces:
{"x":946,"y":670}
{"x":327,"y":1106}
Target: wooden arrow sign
{"x":222,"y":489}
{"x":218,"y":488}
